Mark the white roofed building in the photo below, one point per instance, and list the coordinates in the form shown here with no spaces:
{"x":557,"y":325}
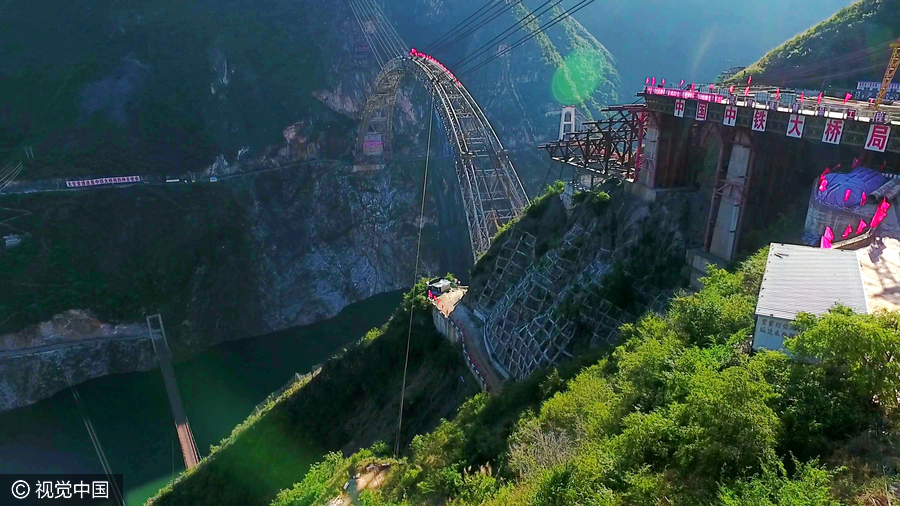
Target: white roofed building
{"x":803,"y":279}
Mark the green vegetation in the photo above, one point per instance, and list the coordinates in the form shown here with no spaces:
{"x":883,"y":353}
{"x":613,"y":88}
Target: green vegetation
{"x":350,"y":403}
{"x":137,"y":88}
{"x":596,"y":200}
{"x":849,"y":46}
{"x":680,"y":413}
{"x":125,"y":252}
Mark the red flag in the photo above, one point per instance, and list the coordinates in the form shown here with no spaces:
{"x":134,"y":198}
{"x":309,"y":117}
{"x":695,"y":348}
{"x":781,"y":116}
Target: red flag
{"x":710,"y":87}
{"x":847,"y":232}
{"x":878,"y":218}
{"x":847,"y":97}
{"x":801,"y":96}
{"x":862,"y":201}
{"x":819,"y":100}
{"x":847,"y":195}
{"x":731,"y":89}
{"x":653,"y":82}
{"x":824,"y":172}
{"x":855,"y":163}
{"x":692,"y":86}
{"x":862,"y":226}
{"x":747,"y":91}
{"x":664,"y":81}
{"x":777,"y":94}
{"x":682,"y":83}
{"x":749,"y":79}
{"x":647,"y":81}
{"x":885,"y":205}
{"x":827,"y":238}
{"x":823,"y":184}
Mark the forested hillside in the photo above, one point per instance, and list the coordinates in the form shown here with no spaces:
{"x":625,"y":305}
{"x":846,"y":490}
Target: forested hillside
{"x":681,"y":413}
{"x":852,"y":45}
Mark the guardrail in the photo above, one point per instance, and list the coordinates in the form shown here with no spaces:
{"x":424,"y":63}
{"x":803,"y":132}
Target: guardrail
{"x":277,"y":393}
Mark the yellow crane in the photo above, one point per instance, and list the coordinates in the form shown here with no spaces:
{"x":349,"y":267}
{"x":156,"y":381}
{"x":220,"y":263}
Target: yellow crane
{"x":889,"y":72}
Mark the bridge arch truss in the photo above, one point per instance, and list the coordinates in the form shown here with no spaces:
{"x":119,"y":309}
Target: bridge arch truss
{"x":491,"y":191}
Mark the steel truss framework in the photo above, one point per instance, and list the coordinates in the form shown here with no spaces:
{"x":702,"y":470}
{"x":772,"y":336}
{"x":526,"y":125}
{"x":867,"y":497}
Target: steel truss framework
{"x":491,"y":190}
{"x":607,"y":148}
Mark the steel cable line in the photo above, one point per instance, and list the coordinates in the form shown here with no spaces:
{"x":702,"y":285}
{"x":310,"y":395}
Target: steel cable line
{"x":522,"y":23}
{"x":95,"y":441}
{"x":5,"y":183}
{"x":415,"y":274}
{"x":400,"y":41}
{"x":461,"y":23}
{"x":379,"y":34}
{"x":385,"y":47}
{"x":392,"y":44}
{"x":362,"y":28}
{"x":577,"y":7}
{"x":464,"y":30}
{"x":450,"y":43}
{"x":366,"y":9}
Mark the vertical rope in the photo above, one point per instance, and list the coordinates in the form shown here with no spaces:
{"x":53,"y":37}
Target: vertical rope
{"x":412,"y":305}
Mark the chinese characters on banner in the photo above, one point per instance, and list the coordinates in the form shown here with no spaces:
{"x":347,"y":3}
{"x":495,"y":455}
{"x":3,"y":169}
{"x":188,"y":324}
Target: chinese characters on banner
{"x":759,"y":120}
{"x":834,"y":128}
{"x":701,"y":111}
{"x":795,"y":126}
{"x":878,"y":137}
{"x":730,"y":117}
{"x":104,"y":180}
{"x":679,"y":108}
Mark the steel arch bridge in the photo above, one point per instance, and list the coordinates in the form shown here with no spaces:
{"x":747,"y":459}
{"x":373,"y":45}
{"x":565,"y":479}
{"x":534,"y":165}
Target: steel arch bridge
{"x":491,"y":190}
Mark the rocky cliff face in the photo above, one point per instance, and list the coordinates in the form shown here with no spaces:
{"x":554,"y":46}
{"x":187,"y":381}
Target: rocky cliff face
{"x":42,"y":359}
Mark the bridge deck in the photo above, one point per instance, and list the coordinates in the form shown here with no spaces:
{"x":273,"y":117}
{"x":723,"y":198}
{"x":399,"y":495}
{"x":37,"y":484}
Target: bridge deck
{"x":182,"y":426}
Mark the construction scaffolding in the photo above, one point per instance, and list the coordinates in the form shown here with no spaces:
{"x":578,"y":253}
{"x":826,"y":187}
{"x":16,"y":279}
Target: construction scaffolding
{"x":603,"y":149}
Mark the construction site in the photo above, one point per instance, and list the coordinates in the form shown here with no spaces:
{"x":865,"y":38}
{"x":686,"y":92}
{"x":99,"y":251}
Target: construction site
{"x":760,"y":156}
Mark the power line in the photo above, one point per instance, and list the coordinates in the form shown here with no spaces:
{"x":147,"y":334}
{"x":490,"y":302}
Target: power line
{"x":539,"y":30}
{"x":412,"y":305}
{"x":520,"y":24}
{"x":461,"y":23}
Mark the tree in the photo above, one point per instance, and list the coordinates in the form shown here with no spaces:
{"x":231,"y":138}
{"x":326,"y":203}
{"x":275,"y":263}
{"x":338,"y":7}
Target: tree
{"x":860,"y":350}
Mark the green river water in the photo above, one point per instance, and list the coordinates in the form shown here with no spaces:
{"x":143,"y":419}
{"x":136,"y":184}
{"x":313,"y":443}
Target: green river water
{"x":130,"y":412}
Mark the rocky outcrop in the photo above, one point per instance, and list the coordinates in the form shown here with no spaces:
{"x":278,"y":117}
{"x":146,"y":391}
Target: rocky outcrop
{"x":72,"y":347}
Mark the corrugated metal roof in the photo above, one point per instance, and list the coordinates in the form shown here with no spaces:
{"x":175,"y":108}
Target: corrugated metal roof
{"x":810,"y":280}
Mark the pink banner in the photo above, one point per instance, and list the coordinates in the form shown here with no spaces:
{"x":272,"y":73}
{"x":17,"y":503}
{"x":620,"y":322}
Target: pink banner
{"x":103,"y":181}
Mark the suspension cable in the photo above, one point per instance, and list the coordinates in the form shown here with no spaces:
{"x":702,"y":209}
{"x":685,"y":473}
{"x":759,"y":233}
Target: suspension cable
{"x":404,"y":48}
{"x":412,"y":305}
{"x":95,"y":441}
{"x":450,"y":43}
{"x":385,"y":47}
{"x":362,"y":28}
{"x":515,"y":27}
{"x":474,"y":16}
{"x":379,"y":26}
{"x":577,"y":7}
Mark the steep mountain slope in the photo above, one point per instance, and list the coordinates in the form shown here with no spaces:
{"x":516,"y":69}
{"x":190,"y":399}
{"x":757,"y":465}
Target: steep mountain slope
{"x":851,"y":45}
{"x":600,"y":241}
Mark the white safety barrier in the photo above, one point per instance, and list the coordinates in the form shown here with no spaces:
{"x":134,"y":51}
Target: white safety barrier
{"x":102,"y":181}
